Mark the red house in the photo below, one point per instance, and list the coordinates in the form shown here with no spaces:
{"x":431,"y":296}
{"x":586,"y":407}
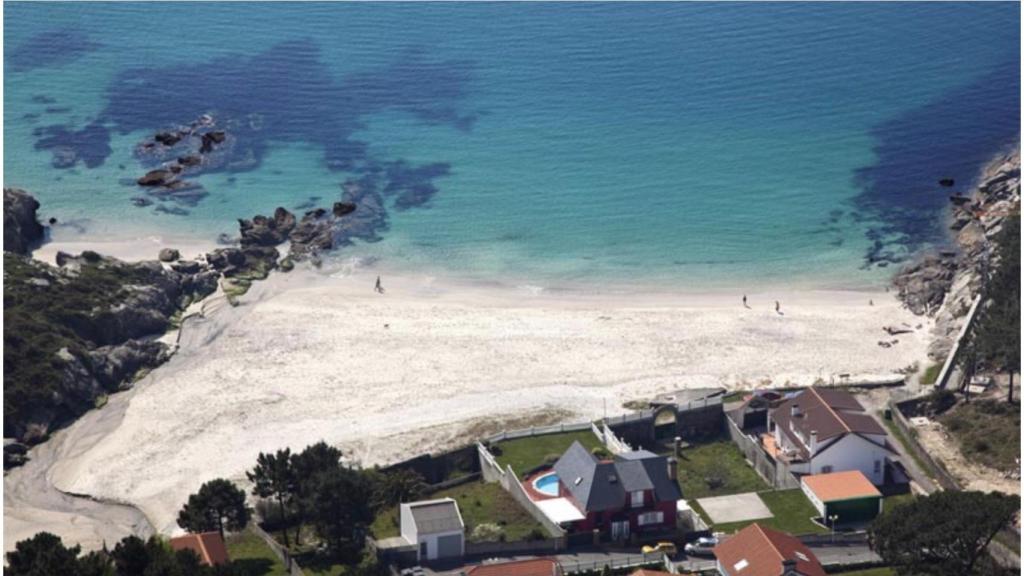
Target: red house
{"x":634,"y":493}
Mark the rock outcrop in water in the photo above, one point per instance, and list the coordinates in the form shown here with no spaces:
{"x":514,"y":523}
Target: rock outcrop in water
{"x":82,"y":329}
{"x":22,"y":230}
{"x":944,"y":284}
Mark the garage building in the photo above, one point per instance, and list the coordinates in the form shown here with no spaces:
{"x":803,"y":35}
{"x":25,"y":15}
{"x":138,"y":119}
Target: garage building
{"x":848,"y":495}
{"x":435,"y":527}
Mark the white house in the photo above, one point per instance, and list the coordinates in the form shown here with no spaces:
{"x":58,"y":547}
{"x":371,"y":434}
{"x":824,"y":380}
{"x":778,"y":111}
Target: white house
{"x":820,"y":431}
{"x":435,"y":527}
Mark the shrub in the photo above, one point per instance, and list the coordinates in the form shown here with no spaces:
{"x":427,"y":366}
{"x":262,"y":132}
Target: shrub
{"x":536,"y":534}
{"x":550,"y":459}
{"x":601,"y":452}
{"x":487,"y":532}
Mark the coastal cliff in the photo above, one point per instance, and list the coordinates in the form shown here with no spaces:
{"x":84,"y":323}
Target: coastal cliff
{"x":21,"y":229}
{"x":943,"y":284}
{"x":79,"y":330}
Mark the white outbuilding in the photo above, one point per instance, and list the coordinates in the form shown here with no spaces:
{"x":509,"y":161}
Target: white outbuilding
{"x":435,"y":527}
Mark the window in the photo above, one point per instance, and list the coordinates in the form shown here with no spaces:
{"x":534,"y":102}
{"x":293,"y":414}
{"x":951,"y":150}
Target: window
{"x":740,"y":565}
{"x":878,"y":466}
{"x":638,"y":498}
{"x":826,"y":469}
{"x":650,"y":518}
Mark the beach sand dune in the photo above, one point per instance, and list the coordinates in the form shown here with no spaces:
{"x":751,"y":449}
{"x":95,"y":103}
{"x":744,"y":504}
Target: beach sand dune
{"x":307,"y":357}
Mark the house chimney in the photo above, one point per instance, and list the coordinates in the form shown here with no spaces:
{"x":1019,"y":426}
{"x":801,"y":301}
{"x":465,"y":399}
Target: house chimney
{"x":794,"y":411}
{"x":672,"y":470}
{"x":789,"y":567}
{"x":814,"y":440}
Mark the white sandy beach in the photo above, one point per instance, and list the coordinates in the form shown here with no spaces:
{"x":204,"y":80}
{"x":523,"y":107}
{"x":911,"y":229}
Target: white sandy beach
{"x":309,"y":357}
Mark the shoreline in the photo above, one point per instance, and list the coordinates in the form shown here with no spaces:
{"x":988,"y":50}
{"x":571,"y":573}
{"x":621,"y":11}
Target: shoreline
{"x":307,"y":356}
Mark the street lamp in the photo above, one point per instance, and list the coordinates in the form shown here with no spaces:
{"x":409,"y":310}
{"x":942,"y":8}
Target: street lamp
{"x":832,"y":520}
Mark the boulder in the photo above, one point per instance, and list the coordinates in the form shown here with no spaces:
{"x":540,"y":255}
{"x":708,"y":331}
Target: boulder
{"x":169,"y":255}
{"x":343,"y":208}
{"x":22,"y":231}
{"x":168,"y":138}
{"x":158,"y":177}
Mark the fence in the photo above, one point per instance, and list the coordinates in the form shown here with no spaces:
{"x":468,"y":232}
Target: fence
{"x":617,"y":562}
{"x":950,"y":364}
{"x":936,"y":470}
{"x":493,"y":472}
{"x":289,"y":563}
{"x":612,"y":442}
{"x":537,"y":431}
{"x":776,"y":473}
{"x":523,"y":547}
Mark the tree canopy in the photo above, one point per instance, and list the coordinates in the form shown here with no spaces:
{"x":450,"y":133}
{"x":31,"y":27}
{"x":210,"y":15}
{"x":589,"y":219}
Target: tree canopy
{"x":45,"y":555}
{"x":995,"y":338}
{"x":219,"y":504}
{"x":944,"y":533}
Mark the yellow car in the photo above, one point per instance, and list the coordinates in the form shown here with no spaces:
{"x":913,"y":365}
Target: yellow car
{"x":663,"y":547}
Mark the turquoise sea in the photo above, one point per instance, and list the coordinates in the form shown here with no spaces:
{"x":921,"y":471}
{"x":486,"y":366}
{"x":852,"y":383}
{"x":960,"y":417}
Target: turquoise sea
{"x":679,"y":144}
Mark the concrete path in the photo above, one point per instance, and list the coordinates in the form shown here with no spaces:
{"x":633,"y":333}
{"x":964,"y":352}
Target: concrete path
{"x":735,"y":508}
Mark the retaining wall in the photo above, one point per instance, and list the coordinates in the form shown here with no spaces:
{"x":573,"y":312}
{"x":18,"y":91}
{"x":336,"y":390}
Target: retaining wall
{"x":775,"y":473}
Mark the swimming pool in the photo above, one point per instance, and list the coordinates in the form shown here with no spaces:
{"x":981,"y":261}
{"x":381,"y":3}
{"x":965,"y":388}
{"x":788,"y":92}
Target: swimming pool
{"x":547,"y":484}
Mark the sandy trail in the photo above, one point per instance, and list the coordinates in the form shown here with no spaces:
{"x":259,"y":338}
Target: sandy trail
{"x":308,"y":357}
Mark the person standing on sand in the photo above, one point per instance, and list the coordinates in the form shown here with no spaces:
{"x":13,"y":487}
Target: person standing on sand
{"x":745,"y":301}
{"x":777,"y":311}
{"x":378,"y":288}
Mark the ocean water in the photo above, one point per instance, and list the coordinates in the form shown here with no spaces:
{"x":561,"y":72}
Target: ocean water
{"x":683,"y":145}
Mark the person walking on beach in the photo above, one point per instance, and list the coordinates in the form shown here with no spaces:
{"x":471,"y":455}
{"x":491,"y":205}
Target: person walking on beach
{"x":777,"y":307}
{"x":745,"y":301}
{"x":378,"y":288}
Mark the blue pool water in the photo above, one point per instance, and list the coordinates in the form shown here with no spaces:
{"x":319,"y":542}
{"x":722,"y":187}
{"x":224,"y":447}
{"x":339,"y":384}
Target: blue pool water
{"x":684,"y":144}
{"x":547,"y":484}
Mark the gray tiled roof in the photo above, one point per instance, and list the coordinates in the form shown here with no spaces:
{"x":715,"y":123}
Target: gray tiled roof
{"x":601,"y":486}
{"x":433,"y":516}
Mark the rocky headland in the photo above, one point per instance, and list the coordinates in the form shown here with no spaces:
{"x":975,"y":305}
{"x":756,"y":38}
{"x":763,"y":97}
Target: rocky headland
{"x":82,"y":329}
{"x":90,"y":325}
{"x":944,"y":283}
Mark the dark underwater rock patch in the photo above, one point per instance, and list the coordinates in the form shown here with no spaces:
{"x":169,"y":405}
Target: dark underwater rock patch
{"x":923,"y":153}
{"x":50,"y":48}
{"x":89,"y":145}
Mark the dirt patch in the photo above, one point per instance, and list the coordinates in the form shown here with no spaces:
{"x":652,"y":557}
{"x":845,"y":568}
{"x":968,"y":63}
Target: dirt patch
{"x":944,"y":447}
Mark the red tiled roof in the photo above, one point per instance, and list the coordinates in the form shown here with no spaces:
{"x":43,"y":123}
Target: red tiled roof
{"x":209,"y":546}
{"x":535,"y":567}
{"x":759,"y":551}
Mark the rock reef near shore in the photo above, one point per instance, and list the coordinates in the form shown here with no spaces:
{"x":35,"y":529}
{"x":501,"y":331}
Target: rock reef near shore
{"x":943,"y":284}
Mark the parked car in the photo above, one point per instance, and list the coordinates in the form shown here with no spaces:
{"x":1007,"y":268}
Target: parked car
{"x":703,"y":546}
{"x":663,"y":547}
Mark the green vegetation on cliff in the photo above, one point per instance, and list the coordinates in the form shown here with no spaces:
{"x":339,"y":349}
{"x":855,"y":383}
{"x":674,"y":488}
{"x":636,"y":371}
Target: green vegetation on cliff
{"x":52,"y":319}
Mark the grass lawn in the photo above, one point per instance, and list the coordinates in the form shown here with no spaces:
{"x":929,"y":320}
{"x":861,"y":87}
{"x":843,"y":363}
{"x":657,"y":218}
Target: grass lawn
{"x":479,"y":503}
{"x":931,"y":374}
{"x":988,"y":432}
{"x":716,"y":459}
{"x":526,"y":453}
{"x":252,"y":557}
{"x":792,"y":513}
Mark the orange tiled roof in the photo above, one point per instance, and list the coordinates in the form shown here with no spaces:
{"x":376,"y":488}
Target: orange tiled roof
{"x":759,"y":551}
{"x":841,"y":486}
{"x":209,"y":546}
